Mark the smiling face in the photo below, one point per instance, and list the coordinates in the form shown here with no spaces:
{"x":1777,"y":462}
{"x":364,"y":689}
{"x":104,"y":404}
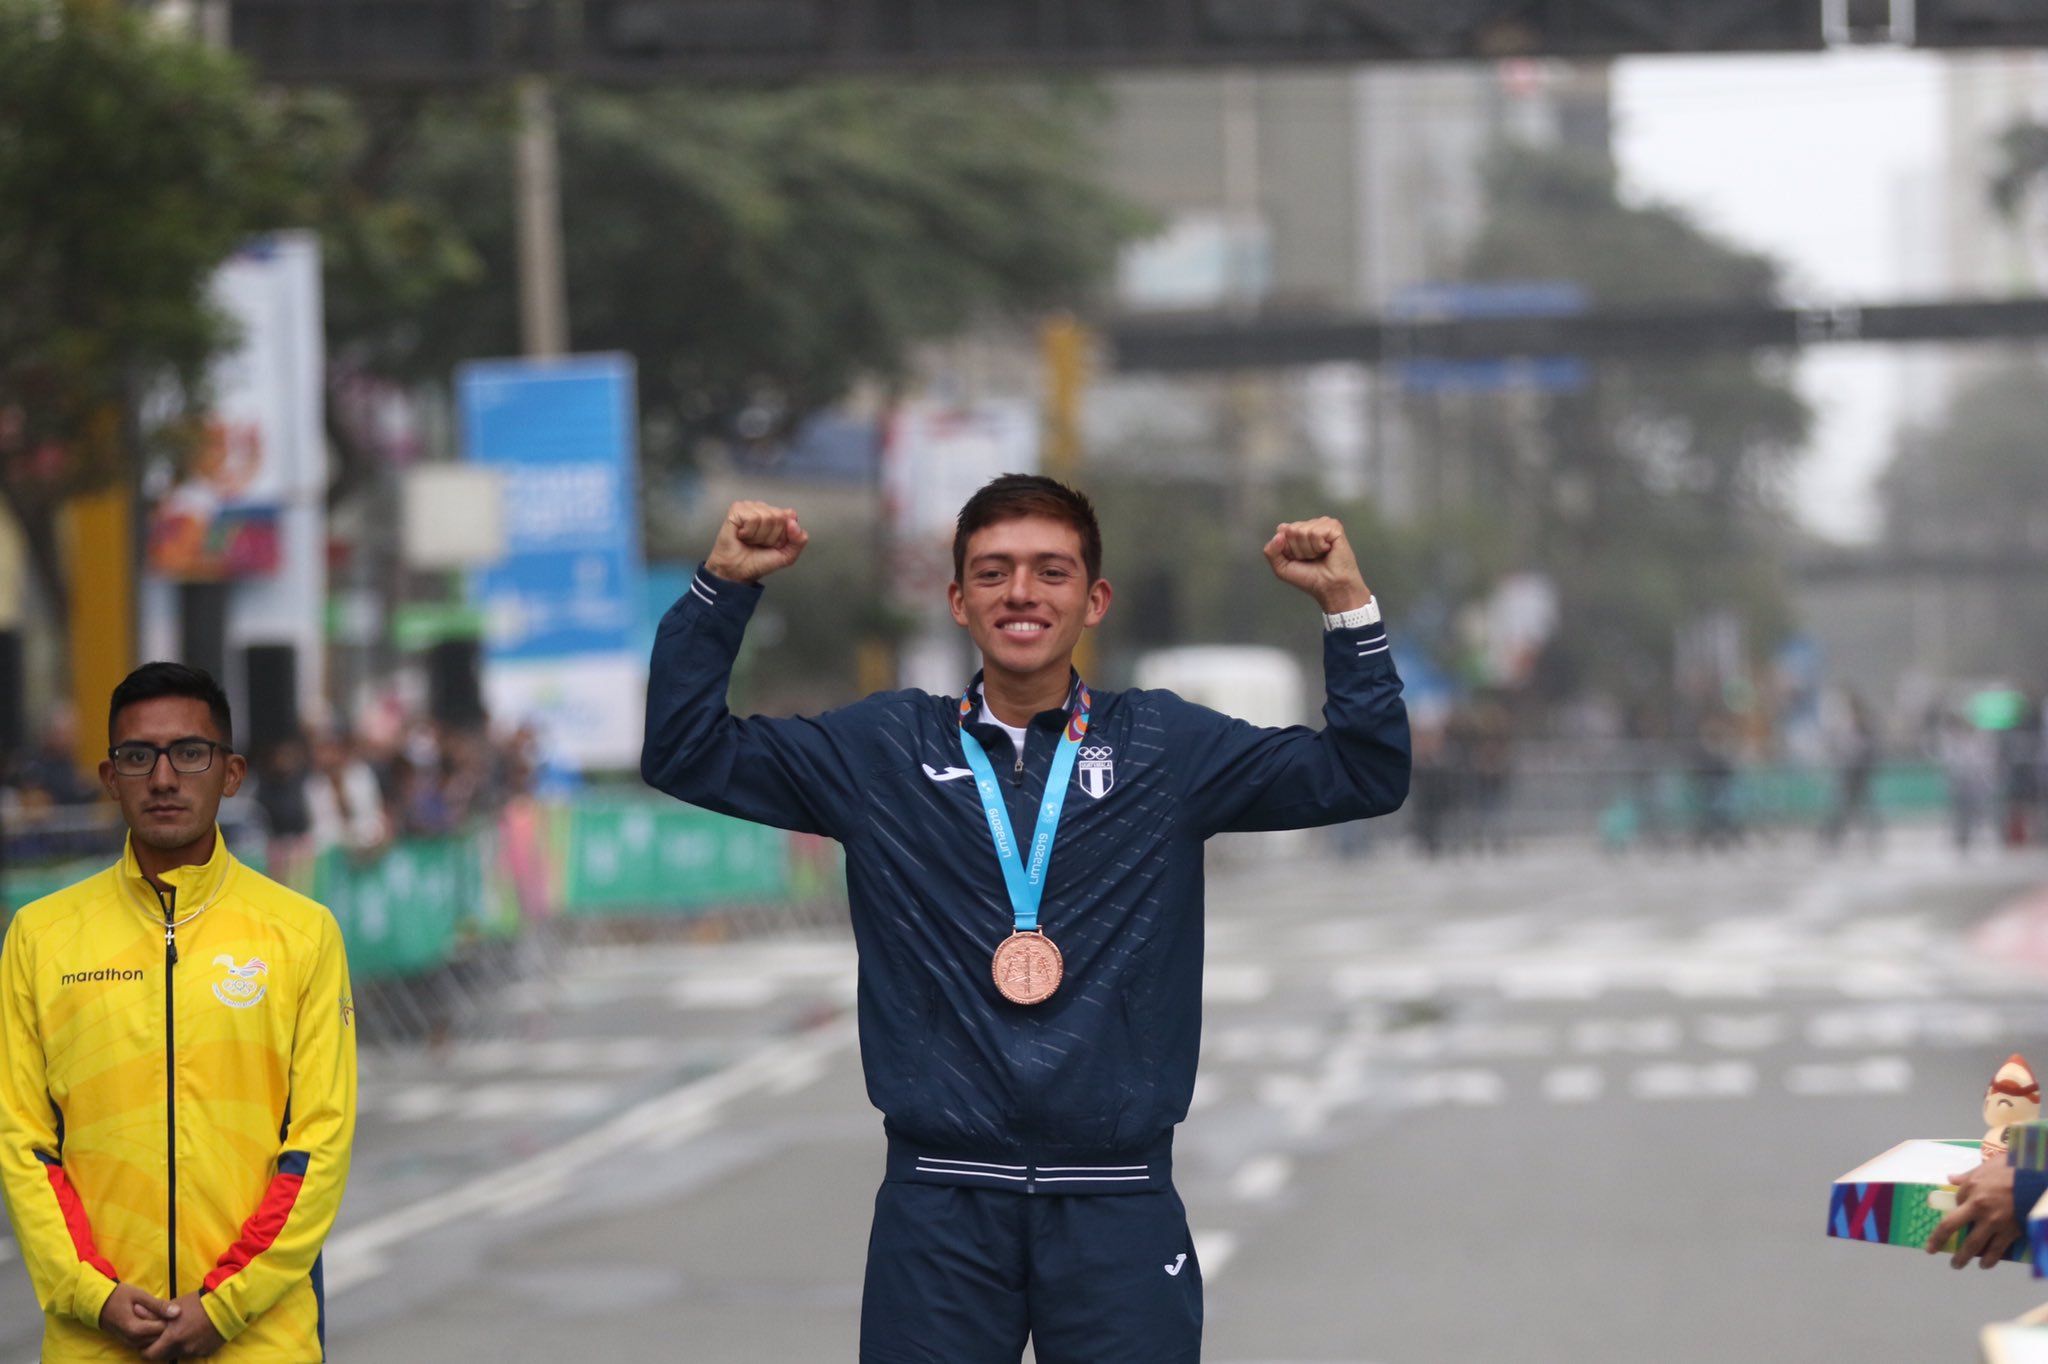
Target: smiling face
{"x":170,"y":811}
{"x":2012,"y":1096}
{"x":1024,"y":595}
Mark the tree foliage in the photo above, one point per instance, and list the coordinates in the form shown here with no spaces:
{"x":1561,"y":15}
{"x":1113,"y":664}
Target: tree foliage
{"x":132,"y":161}
{"x":1972,"y":485}
{"x":757,"y":251}
{"x":1654,"y":494}
{"x":1974,"y":479}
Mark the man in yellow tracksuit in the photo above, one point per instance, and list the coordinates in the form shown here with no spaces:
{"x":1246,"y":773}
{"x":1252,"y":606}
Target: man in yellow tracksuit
{"x":177,"y":1068}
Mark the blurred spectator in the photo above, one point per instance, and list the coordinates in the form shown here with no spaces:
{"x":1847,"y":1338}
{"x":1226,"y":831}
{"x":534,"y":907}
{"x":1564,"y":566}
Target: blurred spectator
{"x":1853,"y":748}
{"x":281,"y":779}
{"x":50,"y":801}
{"x":1490,"y":752}
{"x":1711,"y":763}
{"x":1969,"y":761}
{"x":2019,"y":759}
{"x":50,"y":774}
{"x":344,"y":800}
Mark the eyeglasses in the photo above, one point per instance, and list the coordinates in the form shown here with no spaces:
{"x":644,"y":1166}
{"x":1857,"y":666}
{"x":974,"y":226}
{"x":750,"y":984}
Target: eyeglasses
{"x":189,"y":756}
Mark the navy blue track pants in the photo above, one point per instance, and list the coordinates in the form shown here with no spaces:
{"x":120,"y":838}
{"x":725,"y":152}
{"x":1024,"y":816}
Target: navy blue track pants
{"x":963,"y":1276}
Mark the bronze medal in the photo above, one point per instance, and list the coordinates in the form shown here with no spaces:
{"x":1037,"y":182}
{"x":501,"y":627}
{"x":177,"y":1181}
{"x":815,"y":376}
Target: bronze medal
{"x":1027,"y":968}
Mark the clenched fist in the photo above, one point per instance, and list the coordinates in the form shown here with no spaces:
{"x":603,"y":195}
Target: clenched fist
{"x":754,"y":541}
{"x":1315,"y":557}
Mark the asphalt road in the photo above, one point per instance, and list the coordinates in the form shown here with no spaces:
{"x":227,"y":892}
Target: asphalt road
{"x":1539,"y":1107}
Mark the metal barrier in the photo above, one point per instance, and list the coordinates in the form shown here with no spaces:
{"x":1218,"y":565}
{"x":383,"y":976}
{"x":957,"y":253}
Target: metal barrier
{"x":435,"y":926}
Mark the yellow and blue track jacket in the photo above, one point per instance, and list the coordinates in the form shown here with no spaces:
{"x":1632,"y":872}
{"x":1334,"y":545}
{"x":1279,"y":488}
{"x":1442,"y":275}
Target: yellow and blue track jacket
{"x":177,"y":1097}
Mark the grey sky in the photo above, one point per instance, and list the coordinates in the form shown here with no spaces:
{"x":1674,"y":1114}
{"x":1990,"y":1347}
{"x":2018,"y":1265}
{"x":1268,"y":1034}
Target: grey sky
{"x":1806,"y":158}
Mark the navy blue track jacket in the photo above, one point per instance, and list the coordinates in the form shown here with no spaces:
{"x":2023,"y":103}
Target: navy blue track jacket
{"x":1079,"y":1093}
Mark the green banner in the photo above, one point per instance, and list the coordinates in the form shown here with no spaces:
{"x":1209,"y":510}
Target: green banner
{"x":668,"y":858}
{"x":28,"y":884}
{"x":400,"y":911}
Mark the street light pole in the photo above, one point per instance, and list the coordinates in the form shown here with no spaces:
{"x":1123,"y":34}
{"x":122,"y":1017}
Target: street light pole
{"x":543,"y":287}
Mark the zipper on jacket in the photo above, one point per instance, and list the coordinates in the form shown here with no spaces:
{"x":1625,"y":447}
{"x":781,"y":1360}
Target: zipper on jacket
{"x":171,"y":1078}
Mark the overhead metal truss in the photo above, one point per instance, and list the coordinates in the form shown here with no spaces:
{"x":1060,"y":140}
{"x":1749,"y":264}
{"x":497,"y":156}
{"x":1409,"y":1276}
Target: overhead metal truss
{"x":625,"y":41}
{"x":1195,"y":344}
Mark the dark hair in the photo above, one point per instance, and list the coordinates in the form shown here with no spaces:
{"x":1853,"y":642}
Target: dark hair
{"x":153,"y":680}
{"x":1010,"y":496}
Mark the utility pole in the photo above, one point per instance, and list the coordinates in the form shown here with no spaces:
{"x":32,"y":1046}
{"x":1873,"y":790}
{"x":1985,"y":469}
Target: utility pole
{"x":1064,"y":343}
{"x":543,"y":285}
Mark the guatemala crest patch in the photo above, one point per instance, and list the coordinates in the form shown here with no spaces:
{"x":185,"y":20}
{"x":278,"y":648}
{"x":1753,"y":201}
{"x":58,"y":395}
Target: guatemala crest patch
{"x":1097,"y":770}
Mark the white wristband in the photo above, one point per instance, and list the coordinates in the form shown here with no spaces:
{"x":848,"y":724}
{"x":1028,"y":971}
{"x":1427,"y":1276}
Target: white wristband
{"x":1368,"y":614}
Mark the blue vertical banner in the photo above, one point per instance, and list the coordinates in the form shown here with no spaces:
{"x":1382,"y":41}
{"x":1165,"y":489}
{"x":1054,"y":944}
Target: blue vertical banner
{"x":561,"y":609}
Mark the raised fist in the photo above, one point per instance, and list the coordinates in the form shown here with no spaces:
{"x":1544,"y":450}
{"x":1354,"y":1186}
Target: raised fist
{"x":754,"y":541}
{"x":1315,"y":557}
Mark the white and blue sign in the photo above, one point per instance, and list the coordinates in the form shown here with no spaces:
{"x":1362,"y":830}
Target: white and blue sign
{"x":562,"y":434}
{"x":562,"y":608}
{"x":1492,"y":299}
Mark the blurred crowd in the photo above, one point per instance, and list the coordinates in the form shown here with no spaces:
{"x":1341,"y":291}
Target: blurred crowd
{"x":397,"y":777}
{"x":1711,"y":777}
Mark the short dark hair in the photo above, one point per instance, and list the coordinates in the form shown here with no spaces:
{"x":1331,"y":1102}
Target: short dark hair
{"x":153,"y":680}
{"x":1010,"y":496}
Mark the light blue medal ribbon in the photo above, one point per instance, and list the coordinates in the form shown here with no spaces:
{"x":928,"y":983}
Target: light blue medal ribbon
{"x":1026,"y":876}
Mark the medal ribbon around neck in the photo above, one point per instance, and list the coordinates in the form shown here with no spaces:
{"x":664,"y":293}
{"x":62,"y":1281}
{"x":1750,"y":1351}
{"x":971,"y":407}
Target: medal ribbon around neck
{"x":1026,"y":877}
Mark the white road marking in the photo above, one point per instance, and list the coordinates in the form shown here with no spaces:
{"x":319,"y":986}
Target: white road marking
{"x":1357,"y":982}
{"x":1338,"y":937}
{"x":1719,"y":980}
{"x":1568,"y":980}
{"x":6,"y":1250}
{"x":358,"y":1253}
{"x":498,"y":1101}
{"x":681,"y":1130}
{"x":1213,"y":1250}
{"x":1574,"y":1084}
{"x":508,"y":1100}
{"x":1872,"y":1075}
{"x":1602,"y":935}
{"x":1759,"y":934}
{"x":1261,"y":1178}
{"x":1886,"y":980}
{"x":724,"y":992}
{"x":1236,"y":984}
{"x":1874,"y":1026}
{"x":1741,"y":1032}
{"x":1470,"y":1088}
{"x":1642,"y":1036}
{"x":1963,"y":1025}
{"x":1680,"y":1080}
{"x":566,"y":1056}
{"x":1502,"y":933}
{"x":798,"y":1077}
{"x":417,"y":1103}
{"x":1267,"y":1043}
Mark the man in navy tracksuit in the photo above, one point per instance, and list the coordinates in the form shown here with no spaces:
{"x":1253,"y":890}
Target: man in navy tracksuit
{"x":1024,"y":869}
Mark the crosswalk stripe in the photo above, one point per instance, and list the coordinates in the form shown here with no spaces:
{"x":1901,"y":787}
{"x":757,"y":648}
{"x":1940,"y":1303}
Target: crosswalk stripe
{"x":1872,"y":1075}
{"x":1236,"y":984}
{"x":1214,"y":1249}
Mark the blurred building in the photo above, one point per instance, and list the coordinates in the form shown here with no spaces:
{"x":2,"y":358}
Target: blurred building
{"x":1339,"y":191}
{"x":1914,"y":632}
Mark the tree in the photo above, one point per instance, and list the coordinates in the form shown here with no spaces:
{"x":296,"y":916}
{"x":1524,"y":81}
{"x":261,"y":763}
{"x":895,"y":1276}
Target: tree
{"x":1654,"y":494}
{"x":132,"y":161}
{"x":757,"y":251}
{"x":1972,"y":485}
{"x":1974,"y":479}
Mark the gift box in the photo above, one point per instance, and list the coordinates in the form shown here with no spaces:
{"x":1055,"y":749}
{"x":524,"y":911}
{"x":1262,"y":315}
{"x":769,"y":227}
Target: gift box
{"x":1897,"y":1198}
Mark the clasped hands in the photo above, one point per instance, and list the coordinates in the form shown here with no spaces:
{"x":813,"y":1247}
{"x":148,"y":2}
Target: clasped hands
{"x":178,"y":1329}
